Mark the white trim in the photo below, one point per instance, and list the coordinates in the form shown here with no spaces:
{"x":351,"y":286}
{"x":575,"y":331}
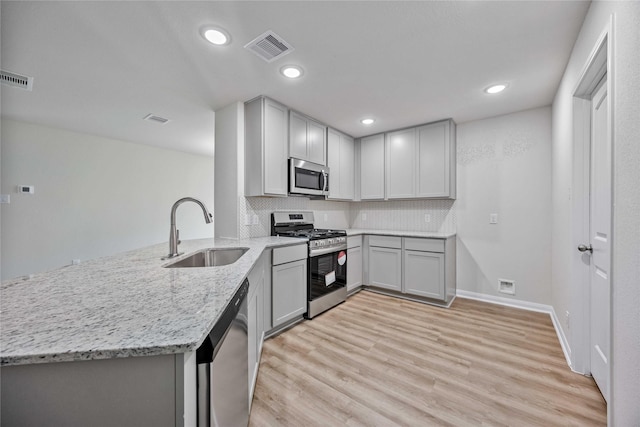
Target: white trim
{"x":529,"y":306}
{"x":509,"y":302}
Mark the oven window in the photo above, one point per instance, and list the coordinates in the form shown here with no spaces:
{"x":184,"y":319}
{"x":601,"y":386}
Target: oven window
{"x":307,"y":179}
{"x":327,"y":273}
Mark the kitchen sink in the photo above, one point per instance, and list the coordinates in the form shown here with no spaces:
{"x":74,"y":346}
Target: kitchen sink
{"x":210,"y":258}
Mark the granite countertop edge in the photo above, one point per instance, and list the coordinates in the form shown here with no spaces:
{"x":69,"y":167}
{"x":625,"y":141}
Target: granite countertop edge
{"x":122,"y":305}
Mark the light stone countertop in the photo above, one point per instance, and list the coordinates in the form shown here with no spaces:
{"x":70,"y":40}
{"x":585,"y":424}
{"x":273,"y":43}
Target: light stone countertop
{"x":122,"y":305}
{"x":400,"y":233}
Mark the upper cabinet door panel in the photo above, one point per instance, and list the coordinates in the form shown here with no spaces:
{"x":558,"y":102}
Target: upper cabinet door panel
{"x":316,"y":142}
{"x":433,"y":155}
{"x":401,"y":164}
{"x":372,"y":167}
{"x":275,"y":148}
{"x":347,"y":168}
{"x":297,"y":136}
{"x":333,"y":161}
{"x":307,"y":139}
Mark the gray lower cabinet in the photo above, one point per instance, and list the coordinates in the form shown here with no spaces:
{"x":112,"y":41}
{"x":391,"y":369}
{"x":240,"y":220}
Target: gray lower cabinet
{"x":255,"y":319}
{"x":385,"y":262}
{"x":128,"y":391}
{"x":424,"y":274}
{"x":354,"y":263}
{"x":420,"y":267}
{"x":289,"y":283}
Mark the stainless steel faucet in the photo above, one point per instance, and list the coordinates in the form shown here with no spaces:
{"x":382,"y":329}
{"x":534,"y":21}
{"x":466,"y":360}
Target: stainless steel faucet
{"x":174,"y":234}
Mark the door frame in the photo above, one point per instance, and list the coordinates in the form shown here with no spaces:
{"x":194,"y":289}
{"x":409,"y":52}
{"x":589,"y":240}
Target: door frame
{"x":598,"y":65}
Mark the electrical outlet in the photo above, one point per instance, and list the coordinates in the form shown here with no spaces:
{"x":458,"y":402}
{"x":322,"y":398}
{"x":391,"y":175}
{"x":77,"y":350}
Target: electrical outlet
{"x":255,"y":220}
{"x":5,"y":198}
{"x":247,"y":219}
{"x":427,"y":218}
{"x":326,"y":217}
{"x":364,"y":216}
{"x":75,"y":261}
{"x":567,"y":319}
{"x":493,"y":218}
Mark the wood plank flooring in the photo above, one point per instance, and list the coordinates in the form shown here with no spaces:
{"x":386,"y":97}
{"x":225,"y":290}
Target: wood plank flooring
{"x":382,"y":361}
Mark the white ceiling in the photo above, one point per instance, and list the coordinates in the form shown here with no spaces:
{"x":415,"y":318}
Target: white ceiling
{"x":100,"y":67}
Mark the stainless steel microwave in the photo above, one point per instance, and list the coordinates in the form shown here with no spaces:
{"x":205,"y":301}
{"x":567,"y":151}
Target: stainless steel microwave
{"x":306,"y":178}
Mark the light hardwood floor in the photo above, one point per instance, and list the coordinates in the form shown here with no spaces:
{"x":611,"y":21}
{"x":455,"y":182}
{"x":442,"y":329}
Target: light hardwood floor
{"x":381,"y":361}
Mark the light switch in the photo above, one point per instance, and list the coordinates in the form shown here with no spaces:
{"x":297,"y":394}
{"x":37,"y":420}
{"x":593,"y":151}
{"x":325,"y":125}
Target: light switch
{"x":493,"y":218}
{"x":5,"y":198}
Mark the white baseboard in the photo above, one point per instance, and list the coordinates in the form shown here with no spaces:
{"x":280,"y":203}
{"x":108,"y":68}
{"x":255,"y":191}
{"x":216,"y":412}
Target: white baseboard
{"x":525,"y":305}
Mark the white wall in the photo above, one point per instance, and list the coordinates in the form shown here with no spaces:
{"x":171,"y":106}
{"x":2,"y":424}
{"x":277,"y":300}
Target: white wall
{"x":93,"y":196}
{"x":504,"y":167}
{"x":625,"y":351}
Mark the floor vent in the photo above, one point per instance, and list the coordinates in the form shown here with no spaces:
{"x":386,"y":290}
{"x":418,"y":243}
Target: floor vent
{"x":507,"y":287}
{"x":269,"y":46}
{"x":157,"y":119}
{"x":16,"y":80}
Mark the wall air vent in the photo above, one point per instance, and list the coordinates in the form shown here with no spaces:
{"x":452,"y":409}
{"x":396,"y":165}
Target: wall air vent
{"x":269,"y":46}
{"x":16,"y":80}
{"x":157,"y":119}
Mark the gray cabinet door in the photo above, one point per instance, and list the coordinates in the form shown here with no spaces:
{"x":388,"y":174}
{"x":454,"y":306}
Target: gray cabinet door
{"x":354,"y":268}
{"x":424,"y":274}
{"x":275,"y":148}
{"x":307,"y":139}
{"x":372,"y":167}
{"x":340,"y":159}
{"x":385,"y":268}
{"x":316,"y":142}
{"x":401,"y":164}
{"x":433,"y":160}
{"x":289,"y":291}
{"x":347,"y":168}
{"x":297,"y":136}
{"x":333,"y":161}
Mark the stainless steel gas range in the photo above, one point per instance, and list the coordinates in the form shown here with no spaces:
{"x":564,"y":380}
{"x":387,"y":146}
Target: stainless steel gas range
{"x":327,"y":262}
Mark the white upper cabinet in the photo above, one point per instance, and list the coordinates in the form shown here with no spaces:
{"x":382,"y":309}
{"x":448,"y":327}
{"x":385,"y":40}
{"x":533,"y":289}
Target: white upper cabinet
{"x":401,"y":164}
{"x":340,"y":159}
{"x":436,"y":145}
{"x":307,"y":139}
{"x":372,"y":165}
{"x":420,"y":162}
{"x":266,"y":129}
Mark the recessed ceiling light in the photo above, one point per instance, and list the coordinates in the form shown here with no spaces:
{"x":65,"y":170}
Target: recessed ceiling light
{"x":495,"y":88}
{"x":291,"y":71}
{"x":367,"y":121}
{"x":216,"y":36}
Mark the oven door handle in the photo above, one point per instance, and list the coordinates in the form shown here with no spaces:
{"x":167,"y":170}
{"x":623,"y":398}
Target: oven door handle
{"x":324,"y":251}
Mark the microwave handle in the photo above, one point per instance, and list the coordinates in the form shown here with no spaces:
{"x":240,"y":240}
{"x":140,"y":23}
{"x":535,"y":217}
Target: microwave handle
{"x":325,"y":181}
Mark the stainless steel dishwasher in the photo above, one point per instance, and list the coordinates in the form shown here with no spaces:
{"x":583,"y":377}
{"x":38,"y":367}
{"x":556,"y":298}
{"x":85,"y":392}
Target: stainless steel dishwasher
{"x":223,"y":368}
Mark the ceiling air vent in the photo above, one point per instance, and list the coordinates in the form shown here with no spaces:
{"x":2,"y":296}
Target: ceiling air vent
{"x":157,"y":119}
{"x":269,"y":46}
{"x":16,"y":80}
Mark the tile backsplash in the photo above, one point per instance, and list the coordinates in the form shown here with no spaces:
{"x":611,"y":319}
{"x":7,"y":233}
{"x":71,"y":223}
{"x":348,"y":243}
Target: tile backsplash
{"x":416,"y":215}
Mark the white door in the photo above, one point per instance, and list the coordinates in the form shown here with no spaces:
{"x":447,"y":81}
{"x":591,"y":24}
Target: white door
{"x":600,"y":236}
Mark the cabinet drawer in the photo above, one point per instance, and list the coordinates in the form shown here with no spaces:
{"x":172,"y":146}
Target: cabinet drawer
{"x":289,"y":253}
{"x":386,"y":242}
{"x":354,"y":241}
{"x":425,"y":245}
